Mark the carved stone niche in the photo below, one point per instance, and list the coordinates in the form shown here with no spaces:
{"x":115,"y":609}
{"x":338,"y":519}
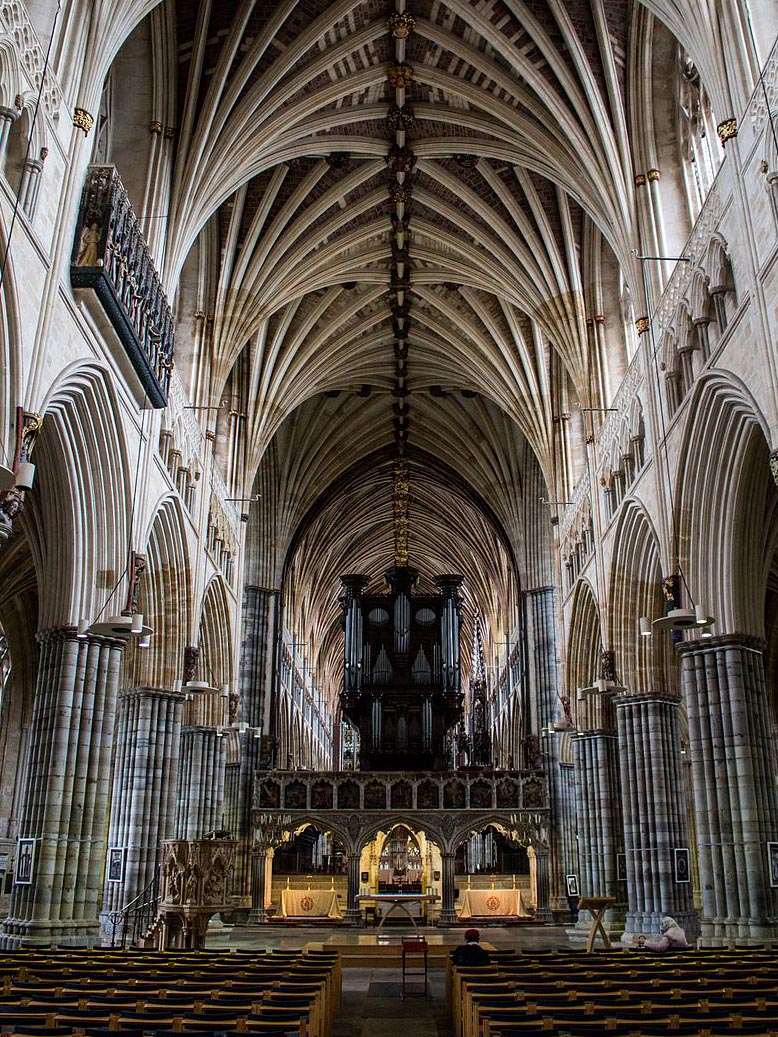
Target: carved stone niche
{"x":196,"y":883}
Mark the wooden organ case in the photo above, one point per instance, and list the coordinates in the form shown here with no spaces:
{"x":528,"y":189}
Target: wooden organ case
{"x":402,"y":675}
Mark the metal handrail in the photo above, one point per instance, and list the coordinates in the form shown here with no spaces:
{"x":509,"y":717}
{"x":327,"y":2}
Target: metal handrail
{"x":136,"y":918}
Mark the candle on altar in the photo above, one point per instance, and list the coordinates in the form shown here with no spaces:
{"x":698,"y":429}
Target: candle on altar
{"x":468,"y":882}
{"x":309,"y":877}
{"x":492,"y":885}
{"x":287,"y":882}
{"x":513,"y":881}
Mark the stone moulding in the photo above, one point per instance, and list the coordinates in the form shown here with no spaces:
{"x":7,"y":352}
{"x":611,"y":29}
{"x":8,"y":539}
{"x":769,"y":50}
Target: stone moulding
{"x":14,"y":21}
{"x":427,"y":791}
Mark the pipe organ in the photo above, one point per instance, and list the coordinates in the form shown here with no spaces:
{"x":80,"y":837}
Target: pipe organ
{"x":401,"y":684}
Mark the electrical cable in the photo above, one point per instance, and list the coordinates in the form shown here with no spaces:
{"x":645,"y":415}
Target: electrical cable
{"x":663,"y":445}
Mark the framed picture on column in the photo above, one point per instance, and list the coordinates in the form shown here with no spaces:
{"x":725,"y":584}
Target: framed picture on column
{"x":115,"y":870}
{"x":571,"y":882}
{"x":681,"y":866}
{"x":621,"y":867}
{"x":772,"y":860}
{"x":25,"y":860}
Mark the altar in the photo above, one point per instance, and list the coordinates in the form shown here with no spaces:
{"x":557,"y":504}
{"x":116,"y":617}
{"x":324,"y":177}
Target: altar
{"x":398,"y":902}
{"x":309,"y":903}
{"x":481,"y":903}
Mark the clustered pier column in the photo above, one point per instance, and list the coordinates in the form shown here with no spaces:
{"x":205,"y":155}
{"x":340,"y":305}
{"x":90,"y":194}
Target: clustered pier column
{"x":142,"y":804}
{"x":598,"y":805}
{"x":734,"y":787}
{"x":200,"y":783}
{"x":257,"y":669}
{"x":654,"y":810}
{"x":447,"y":912}
{"x":65,"y":804}
{"x":540,"y":625}
{"x":352,"y":889}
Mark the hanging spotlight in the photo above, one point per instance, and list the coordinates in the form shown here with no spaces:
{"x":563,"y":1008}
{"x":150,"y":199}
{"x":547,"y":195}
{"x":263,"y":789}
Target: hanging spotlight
{"x":706,"y":632}
{"x":83,"y":629}
{"x":684,"y":619}
{"x":122,"y":626}
{"x":645,"y":626}
{"x":144,"y":642}
{"x":25,"y":475}
{"x":199,"y":687}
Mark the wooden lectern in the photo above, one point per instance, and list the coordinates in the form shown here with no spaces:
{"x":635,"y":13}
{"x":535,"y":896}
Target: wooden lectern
{"x":597,"y":906}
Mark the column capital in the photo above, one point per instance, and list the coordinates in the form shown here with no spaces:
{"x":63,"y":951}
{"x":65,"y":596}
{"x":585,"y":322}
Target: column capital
{"x":70,"y":633}
{"x":631,"y":698}
{"x":749,"y":642}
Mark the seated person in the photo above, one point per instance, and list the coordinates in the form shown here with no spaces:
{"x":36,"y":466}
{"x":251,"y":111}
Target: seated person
{"x":671,"y":937}
{"x":471,"y":952}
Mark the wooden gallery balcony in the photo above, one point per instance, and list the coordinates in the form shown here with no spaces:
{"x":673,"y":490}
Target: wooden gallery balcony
{"x":110,"y":256}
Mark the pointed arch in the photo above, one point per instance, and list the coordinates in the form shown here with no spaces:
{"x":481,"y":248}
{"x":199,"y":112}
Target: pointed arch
{"x":78,"y":515}
{"x":725,"y":503}
{"x":215,"y":636}
{"x":643,"y":663}
{"x":165,"y":597}
{"x":585,"y":638}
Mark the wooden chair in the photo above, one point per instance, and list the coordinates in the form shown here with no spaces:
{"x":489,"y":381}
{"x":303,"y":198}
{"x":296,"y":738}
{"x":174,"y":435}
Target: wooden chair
{"x":414,"y":964}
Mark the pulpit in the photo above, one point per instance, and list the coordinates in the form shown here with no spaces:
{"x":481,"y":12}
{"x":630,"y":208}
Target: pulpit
{"x":196,"y":884}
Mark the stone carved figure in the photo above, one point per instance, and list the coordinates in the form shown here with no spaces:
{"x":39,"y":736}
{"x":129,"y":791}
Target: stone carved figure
{"x":173,"y":880}
{"x":214,"y":884}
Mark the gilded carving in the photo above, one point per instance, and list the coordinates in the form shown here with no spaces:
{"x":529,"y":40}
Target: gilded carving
{"x":401,"y":25}
{"x":400,"y":76}
{"x":727,"y":130}
{"x":82,"y":120}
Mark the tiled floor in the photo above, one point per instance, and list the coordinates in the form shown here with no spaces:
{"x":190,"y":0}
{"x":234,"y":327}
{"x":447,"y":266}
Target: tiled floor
{"x":372,"y":1005}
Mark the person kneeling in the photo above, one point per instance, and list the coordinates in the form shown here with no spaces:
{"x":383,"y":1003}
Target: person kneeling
{"x":671,"y":937}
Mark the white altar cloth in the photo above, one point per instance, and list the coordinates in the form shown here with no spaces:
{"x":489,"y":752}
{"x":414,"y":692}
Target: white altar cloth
{"x":309,"y":903}
{"x":480,"y":903}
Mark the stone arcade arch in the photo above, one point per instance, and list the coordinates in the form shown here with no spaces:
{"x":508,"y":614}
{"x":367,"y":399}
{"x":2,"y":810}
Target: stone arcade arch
{"x":727,"y":514}
{"x":77,"y":527}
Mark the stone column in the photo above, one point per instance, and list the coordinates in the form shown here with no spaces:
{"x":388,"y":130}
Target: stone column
{"x":654,"y":808}
{"x":200,"y":783}
{"x":447,"y":912}
{"x":734,"y":787}
{"x":540,"y":621}
{"x":258,"y":912}
{"x":8,"y":117}
{"x":67,"y":781}
{"x":598,"y":806}
{"x":257,"y":669}
{"x":352,"y":890}
{"x":539,"y":881}
{"x":567,"y":820}
{"x":30,"y":185}
{"x":142,"y":803}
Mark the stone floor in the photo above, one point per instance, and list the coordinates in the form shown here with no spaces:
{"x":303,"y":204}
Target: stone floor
{"x":372,"y":1005}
